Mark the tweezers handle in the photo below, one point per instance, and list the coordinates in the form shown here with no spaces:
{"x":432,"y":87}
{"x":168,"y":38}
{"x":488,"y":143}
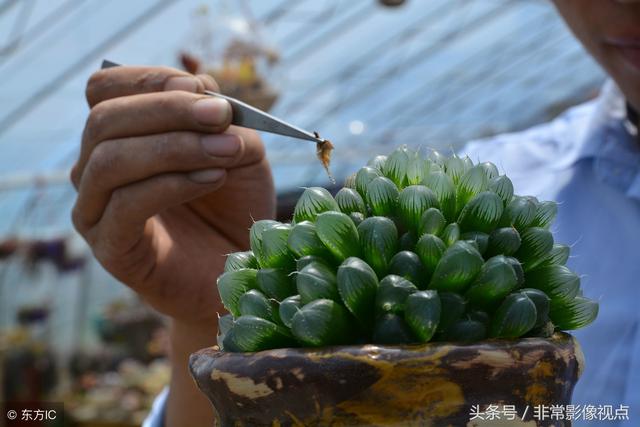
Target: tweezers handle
{"x":244,"y":115}
{"x":248,"y":116}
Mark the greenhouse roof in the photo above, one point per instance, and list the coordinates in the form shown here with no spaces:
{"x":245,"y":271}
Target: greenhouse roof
{"x":430,"y":73}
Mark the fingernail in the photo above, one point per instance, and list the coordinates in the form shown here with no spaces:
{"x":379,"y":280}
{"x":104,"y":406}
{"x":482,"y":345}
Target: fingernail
{"x":212,"y":111}
{"x":221,"y":145}
{"x":185,"y":83}
{"x":206,"y":176}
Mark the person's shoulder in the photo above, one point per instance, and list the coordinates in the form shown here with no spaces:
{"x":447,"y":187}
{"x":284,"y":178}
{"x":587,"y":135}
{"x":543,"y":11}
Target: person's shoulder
{"x":536,"y":147}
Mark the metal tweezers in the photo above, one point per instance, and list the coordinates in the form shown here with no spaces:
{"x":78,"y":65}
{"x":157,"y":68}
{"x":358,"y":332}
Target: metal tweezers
{"x":246,"y":116}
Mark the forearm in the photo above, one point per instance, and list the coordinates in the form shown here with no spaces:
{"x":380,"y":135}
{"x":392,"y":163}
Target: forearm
{"x":186,"y":405}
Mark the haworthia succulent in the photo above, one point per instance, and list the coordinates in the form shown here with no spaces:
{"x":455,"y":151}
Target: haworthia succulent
{"x":338,"y":233}
{"x":481,"y":213}
{"x":392,"y":294}
{"x":432,"y":222}
{"x":413,"y":249}
{"x":314,"y":200}
{"x":233,"y":284}
{"x":364,"y":176}
{"x":422,"y":313}
{"x":458,"y":266}
{"x":382,"y":196}
{"x":408,"y":265}
{"x":240,"y":260}
{"x":349,"y":200}
{"x":303,"y":240}
{"x":378,"y":242}
{"x":358,"y":285}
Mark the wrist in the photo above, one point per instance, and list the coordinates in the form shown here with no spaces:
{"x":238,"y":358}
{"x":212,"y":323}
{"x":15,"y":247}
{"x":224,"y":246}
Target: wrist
{"x":187,"y":337}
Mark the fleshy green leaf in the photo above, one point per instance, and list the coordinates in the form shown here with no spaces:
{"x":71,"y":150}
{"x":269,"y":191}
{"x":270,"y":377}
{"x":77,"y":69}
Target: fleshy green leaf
{"x":574,"y":314}
{"x":503,"y":187}
{"x":457,"y":268}
{"x":416,"y":170}
{"x":350,"y":181}
{"x":395,"y":167}
{"x":519,"y":213}
{"x":251,"y":333}
{"x":224,"y":323}
{"x":450,"y":234}
{"x":358,"y":285}
{"x":377,"y":162}
{"x":255,"y":237}
{"x":445,"y":191}
{"x":357,"y":218}
{"x":382,"y":196}
{"x":504,"y":241}
{"x":454,"y":166}
{"x":349,"y":201}
{"x":432,"y":222}
{"x":322,"y":322}
{"x":481,"y":240}
{"x":288,"y":308}
{"x":490,"y":170}
{"x":392,"y":294}
{"x":233,"y":284}
{"x":430,"y":249}
{"x":558,"y":255}
{"x":308,"y":259}
{"x":408,"y":241}
{"x":422,"y":314}
{"x":338,"y":233}
{"x":317,"y":281}
{"x":314,"y":200}
{"x":413,"y":201}
{"x":542,"y":303}
{"x":557,"y":281}
{"x":466,"y":330}
{"x":364,"y":176}
{"x":453,"y":306}
{"x":275,"y":250}
{"x":535,"y":247}
{"x":254,"y":303}
{"x":494,"y":282}
{"x":378,"y":242}
{"x":407,"y":264}
{"x":239,"y":260}
{"x":391,"y":329}
{"x":481,"y":213}
{"x":517,"y":267}
{"x":303,"y":240}
{"x":471,"y":183}
{"x":275,"y":283}
{"x":546,"y":213}
{"x":515,"y":317}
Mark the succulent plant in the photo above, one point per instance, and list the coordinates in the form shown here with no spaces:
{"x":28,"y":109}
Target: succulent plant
{"x":411,"y":250}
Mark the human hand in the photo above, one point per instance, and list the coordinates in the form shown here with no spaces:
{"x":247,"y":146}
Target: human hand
{"x":166,"y":187}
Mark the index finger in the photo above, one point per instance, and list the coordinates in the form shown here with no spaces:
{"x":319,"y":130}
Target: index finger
{"x":120,"y":81}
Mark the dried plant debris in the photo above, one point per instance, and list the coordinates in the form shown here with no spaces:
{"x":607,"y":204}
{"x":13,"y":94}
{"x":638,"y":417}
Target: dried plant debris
{"x":323,"y":151}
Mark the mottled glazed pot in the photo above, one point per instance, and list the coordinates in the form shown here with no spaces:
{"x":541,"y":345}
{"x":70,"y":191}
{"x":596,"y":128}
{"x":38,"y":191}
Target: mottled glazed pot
{"x":434,"y":384}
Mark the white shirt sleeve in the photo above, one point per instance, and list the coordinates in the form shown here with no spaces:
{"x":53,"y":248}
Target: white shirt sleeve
{"x":156,"y":415}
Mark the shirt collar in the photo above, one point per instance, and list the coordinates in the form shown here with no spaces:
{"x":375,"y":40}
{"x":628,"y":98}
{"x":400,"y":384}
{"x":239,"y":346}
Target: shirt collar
{"x":610,"y":143}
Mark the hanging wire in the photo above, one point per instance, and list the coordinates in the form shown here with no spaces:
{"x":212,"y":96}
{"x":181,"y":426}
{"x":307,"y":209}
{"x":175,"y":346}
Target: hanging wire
{"x":367,"y":90}
{"x":93,"y":55}
{"x":40,"y":28}
{"x":13,"y":40}
{"x":352,"y":68}
{"x":6,"y":5}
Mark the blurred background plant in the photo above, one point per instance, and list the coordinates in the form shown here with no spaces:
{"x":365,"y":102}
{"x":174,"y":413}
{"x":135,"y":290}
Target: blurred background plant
{"x":367,"y":74}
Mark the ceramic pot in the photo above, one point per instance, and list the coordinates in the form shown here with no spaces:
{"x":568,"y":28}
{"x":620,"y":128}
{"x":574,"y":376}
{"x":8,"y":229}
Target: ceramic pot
{"x":435,"y":384}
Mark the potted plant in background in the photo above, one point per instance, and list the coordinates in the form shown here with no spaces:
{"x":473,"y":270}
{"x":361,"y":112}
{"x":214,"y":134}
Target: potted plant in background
{"x":424,"y":291}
